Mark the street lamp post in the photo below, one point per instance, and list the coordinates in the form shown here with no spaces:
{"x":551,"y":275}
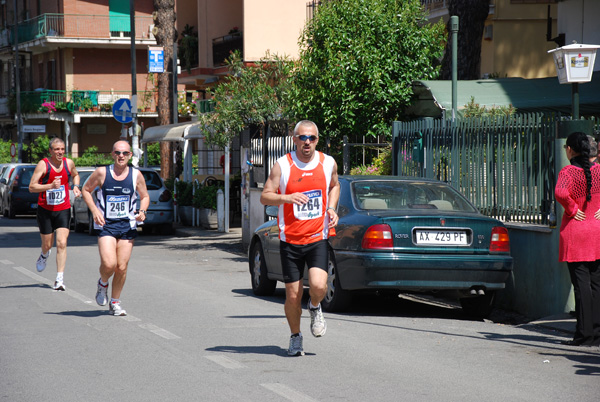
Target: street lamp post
{"x":574,"y":65}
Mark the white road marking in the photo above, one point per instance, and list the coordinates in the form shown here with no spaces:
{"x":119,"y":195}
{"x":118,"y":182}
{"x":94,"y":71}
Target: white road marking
{"x":288,"y":393}
{"x":6,"y":262}
{"x":33,"y":275}
{"x":149,"y":327}
{"x":159,"y":331}
{"x":225,"y":362}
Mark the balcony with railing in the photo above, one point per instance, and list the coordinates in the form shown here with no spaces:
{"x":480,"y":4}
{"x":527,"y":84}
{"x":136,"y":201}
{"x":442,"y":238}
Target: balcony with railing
{"x":79,"y":26}
{"x":224,"y":45}
{"x":96,"y":103}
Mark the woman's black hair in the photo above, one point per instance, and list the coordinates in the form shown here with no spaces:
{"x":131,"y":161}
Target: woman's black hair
{"x":580,"y":144}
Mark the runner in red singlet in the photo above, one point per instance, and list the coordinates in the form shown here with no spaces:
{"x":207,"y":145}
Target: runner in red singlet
{"x":51,"y":180}
{"x":304,"y":184}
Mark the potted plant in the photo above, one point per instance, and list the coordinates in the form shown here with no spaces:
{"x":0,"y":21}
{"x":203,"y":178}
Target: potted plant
{"x":87,"y":104}
{"x":205,"y":199}
{"x":184,"y":202}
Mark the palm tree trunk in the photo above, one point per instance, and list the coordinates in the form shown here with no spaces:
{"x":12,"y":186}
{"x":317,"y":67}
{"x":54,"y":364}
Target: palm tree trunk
{"x":471,"y":18}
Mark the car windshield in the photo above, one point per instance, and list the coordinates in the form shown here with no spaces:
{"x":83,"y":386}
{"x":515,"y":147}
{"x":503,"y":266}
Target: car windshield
{"x":152,"y":179}
{"x":408,"y":195}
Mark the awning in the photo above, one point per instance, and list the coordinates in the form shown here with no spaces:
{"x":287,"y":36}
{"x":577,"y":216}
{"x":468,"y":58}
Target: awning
{"x":432,"y":98}
{"x":171,"y":132}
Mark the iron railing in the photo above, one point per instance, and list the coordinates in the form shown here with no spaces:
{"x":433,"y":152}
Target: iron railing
{"x":92,"y":101}
{"x":504,"y":166}
{"x":81,"y":26}
{"x":223,"y":46}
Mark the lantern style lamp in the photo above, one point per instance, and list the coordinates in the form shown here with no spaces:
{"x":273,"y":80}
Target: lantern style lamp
{"x":574,"y":64}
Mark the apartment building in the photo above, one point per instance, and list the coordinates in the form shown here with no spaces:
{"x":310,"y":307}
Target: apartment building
{"x":514,"y":42}
{"x":74,"y":63}
{"x":251,"y":26}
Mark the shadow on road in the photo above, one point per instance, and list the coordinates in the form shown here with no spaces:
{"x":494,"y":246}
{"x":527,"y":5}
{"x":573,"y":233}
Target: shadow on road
{"x":84,"y":314}
{"x":30,"y":285}
{"x":259,"y":350}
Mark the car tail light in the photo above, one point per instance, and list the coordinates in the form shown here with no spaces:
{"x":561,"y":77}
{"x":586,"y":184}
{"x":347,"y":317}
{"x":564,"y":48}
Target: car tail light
{"x":165,"y":196}
{"x":16,"y":182}
{"x":377,"y":237}
{"x":500,"y":242}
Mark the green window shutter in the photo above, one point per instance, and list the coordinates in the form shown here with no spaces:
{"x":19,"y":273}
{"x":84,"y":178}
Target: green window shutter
{"x":118,"y":11}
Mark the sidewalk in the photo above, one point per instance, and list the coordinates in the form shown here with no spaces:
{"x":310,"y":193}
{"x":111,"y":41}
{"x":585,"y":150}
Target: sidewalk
{"x":564,"y":322}
{"x":197,"y":231}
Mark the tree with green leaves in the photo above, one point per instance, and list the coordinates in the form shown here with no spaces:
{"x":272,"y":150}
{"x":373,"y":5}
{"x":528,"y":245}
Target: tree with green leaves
{"x":357,"y":61}
{"x":252,"y":94}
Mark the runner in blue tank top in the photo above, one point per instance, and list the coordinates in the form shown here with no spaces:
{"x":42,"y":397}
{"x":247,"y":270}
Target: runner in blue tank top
{"x":115,"y":220}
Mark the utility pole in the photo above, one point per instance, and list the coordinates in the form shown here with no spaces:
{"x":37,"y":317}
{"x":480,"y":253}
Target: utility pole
{"x":134,"y":132}
{"x":17,"y":76}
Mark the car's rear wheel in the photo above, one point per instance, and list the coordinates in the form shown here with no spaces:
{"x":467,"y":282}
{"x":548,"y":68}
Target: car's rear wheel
{"x":77,"y":226}
{"x":336,"y":298}
{"x":147,"y":229}
{"x":11,"y":211}
{"x":91,"y":230}
{"x":479,"y":306}
{"x":165,"y":229}
{"x":261,"y":284}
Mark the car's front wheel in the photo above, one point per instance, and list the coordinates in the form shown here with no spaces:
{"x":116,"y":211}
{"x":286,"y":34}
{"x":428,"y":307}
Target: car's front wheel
{"x":479,"y":306}
{"x":336,"y":298}
{"x":261,"y":284}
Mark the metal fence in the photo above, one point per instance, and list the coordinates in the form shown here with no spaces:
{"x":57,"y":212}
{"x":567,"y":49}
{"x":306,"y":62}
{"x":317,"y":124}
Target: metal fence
{"x":504,"y":166}
{"x":82,"y":26}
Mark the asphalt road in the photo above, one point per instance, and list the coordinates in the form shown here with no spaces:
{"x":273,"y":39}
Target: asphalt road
{"x":195,"y":332}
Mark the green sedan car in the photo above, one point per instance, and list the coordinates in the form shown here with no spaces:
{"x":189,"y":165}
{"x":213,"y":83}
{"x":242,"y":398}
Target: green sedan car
{"x":401,"y":235}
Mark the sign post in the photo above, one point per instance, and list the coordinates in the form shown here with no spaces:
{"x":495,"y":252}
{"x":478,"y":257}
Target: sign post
{"x":156,"y":59}
{"x":123,"y":114}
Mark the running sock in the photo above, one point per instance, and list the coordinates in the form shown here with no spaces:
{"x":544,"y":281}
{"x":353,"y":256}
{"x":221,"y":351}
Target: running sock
{"x":114,"y":300}
{"x":310,"y":305}
{"x":59,"y":276}
{"x":105,"y":284}
{"x":295,"y":335}
{"x":46,"y":255}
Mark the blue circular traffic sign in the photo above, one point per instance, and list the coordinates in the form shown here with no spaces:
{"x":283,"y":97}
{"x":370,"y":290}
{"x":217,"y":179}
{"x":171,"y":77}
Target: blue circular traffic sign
{"x":122,"y":111}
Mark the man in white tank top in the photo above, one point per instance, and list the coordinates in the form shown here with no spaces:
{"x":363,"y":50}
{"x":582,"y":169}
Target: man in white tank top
{"x":304,"y":184}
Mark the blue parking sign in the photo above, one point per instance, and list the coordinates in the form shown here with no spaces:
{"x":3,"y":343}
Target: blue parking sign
{"x":156,"y":60}
{"x":122,"y":111}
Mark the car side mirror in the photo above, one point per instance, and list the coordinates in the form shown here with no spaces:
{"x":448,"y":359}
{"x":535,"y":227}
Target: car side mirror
{"x":272,"y":210}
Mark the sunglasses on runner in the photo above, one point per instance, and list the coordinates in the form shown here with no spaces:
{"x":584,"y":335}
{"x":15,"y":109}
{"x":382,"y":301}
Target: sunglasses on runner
{"x":303,"y":138}
{"x":125,"y":153}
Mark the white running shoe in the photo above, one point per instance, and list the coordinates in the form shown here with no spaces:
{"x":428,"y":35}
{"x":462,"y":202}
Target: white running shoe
{"x":59,"y":285}
{"x":101,"y":297}
{"x":41,"y":262}
{"x":318,"y":326}
{"x":296,"y":348}
{"x":115,"y":309}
